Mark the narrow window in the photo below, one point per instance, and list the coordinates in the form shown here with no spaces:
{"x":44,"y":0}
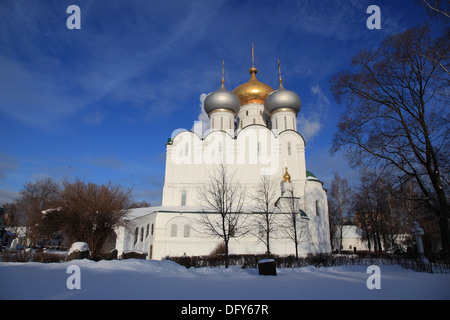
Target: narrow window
{"x":219,"y":146}
{"x":183,"y":197}
{"x":136,"y":234}
{"x":221,"y":123}
{"x":147,"y":230}
{"x":276,"y":123}
{"x":187,"y":231}
{"x":259,"y":148}
{"x":261,"y":231}
{"x":293,"y":124}
{"x":246,"y":113}
{"x":317,"y":208}
{"x":285,"y":123}
{"x":173,"y":230}
{"x":232,"y":230}
{"x":289,"y":148}
{"x":142,"y":234}
{"x":152,"y":229}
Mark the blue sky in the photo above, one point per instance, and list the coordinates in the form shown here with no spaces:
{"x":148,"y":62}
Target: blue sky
{"x":99,"y":103}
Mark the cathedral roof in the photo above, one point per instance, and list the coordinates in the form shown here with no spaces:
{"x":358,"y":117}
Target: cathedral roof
{"x":311,"y":177}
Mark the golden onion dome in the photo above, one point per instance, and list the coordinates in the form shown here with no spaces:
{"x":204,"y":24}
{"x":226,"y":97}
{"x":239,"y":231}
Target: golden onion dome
{"x":286,"y":176}
{"x":252,"y":91}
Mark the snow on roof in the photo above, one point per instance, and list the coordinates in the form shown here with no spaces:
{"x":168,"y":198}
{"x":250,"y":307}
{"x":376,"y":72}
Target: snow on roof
{"x":350,"y":231}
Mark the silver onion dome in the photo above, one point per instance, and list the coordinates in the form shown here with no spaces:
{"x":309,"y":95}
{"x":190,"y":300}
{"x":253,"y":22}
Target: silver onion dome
{"x":282,"y":99}
{"x":222,"y":99}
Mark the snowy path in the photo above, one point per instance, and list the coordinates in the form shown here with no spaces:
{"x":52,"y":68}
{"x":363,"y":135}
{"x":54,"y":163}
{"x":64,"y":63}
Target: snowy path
{"x":165,"y":280}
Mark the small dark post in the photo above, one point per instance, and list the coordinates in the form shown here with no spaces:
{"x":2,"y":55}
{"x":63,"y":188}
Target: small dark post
{"x":266,"y":267}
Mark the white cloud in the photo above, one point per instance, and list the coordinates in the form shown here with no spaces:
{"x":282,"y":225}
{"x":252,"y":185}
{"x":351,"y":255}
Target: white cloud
{"x":312,"y":117}
{"x":202,"y":124}
{"x":308,"y":127}
{"x":7,"y":196}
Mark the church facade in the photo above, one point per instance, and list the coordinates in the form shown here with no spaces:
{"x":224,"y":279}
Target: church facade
{"x":253,"y":135}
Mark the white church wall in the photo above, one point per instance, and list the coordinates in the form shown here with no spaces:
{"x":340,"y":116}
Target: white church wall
{"x":317,"y":211}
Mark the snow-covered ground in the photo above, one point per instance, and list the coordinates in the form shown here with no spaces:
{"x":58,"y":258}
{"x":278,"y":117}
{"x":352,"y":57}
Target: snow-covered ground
{"x":166,"y":280}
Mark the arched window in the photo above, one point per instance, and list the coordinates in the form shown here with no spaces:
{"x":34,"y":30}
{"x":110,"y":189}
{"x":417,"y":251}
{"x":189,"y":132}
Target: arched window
{"x":142,"y":234}
{"x":187,"y":231}
{"x":173,"y":230}
{"x":136,"y":234}
{"x":147,"y":230}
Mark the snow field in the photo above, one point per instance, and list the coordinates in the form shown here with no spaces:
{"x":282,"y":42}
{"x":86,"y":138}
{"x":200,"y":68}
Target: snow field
{"x":165,"y":280}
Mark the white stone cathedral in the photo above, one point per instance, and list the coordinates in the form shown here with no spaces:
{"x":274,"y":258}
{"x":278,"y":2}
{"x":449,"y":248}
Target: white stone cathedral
{"x":253,"y":134}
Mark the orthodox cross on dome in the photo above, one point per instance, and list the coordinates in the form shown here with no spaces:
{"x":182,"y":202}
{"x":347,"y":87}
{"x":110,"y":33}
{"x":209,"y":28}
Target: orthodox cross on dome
{"x":279,"y":71}
{"x":253,"y":56}
{"x":223,"y":71}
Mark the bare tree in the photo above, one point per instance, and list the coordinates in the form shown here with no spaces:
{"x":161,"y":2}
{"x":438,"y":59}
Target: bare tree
{"x":265,"y":198}
{"x":292,"y":220}
{"x":436,"y":8}
{"x":339,"y":206}
{"x":397,"y":114}
{"x":222,"y":200}
{"x":33,"y":199}
{"x":88,"y":212}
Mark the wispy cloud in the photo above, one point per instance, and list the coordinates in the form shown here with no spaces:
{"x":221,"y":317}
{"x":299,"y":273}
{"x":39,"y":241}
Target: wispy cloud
{"x":314,"y":114}
{"x":62,"y":72}
{"x":202,"y":124}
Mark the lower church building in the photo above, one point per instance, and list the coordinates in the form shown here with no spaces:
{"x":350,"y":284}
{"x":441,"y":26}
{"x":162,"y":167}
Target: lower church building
{"x":253,"y":138}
